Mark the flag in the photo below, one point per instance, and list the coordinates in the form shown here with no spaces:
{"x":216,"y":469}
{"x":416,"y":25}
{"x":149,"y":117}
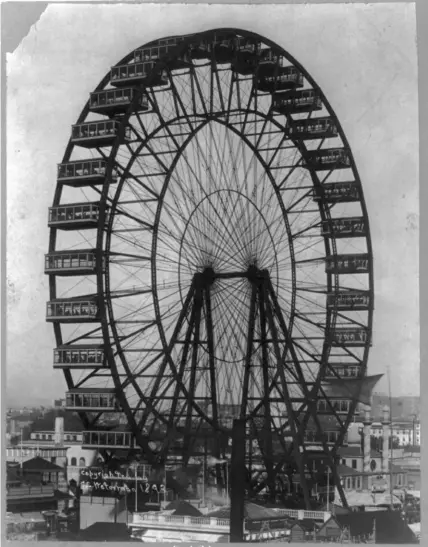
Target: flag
{"x":359,"y":389}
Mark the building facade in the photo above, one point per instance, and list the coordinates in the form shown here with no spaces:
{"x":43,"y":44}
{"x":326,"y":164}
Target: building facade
{"x":406,"y":432}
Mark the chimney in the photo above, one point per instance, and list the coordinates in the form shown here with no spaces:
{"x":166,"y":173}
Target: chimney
{"x":366,"y":440}
{"x":386,"y":434}
{"x":59,"y":431}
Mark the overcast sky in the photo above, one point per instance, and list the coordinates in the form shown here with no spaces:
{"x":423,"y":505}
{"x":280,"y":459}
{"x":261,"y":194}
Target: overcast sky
{"x":364,"y":59}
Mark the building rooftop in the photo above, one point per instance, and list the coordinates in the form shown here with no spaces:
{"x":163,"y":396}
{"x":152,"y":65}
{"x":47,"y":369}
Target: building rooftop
{"x":183,"y":508}
{"x":47,"y":422}
{"x":390,"y":528}
{"x":360,"y":498}
{"x":412,"y":449}
{"x":308,"y":525}
{"x":395,"y":468}
{"x":40,"y":464}
{"x":106,"y":531}
{"x":345,"y":470}
{"x":356,"y":452}
{"x":252,"y":511}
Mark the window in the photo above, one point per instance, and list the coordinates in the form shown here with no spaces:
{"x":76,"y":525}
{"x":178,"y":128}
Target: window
{"x":343,"y":461}
{"x":82,"y":462}
{"x":73,"y":461}
{"x":354,"y":464}
{"x":74,"y":437}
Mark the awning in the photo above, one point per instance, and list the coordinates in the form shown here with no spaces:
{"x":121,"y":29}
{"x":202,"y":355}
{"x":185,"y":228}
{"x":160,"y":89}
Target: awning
{"x":357,"y":498}
{"x":359,"y":389}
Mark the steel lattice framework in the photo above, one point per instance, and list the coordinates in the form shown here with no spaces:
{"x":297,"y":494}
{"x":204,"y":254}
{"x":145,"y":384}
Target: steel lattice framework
{"x":210,"y":257}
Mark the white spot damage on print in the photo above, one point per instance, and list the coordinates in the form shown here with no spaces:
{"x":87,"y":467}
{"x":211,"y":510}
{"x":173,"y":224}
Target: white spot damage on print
{"x":412,"y":221}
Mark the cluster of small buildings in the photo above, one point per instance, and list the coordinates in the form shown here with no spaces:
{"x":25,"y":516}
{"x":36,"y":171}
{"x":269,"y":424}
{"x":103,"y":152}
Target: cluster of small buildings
{"x":44,"y":473}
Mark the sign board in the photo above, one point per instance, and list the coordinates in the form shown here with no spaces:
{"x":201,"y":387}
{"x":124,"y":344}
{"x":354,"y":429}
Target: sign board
{"x":115,"y":482}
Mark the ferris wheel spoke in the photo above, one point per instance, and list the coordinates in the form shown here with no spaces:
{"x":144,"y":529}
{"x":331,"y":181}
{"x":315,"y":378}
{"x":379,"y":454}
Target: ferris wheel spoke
{"x":290,"y":170}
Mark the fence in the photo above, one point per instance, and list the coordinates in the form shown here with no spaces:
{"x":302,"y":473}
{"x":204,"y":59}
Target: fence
{"x":169,"y":521}
{"x":301,"y":514}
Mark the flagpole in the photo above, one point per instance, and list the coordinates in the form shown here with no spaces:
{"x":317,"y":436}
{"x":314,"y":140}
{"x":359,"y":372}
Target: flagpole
{"x":227,"y":482}
{"x":136,"y":490}
{"x":328,"y":488}
{"x":391,"y":435}
{"x":203,"y":483}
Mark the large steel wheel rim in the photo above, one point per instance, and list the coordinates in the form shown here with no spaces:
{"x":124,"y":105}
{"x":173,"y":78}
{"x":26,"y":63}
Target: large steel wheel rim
{"x":209,"y":91}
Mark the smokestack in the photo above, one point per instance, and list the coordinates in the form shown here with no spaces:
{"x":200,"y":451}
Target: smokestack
{"x":366,"y":440}
{"x":59,"y":431}
{"x":386,"y":434}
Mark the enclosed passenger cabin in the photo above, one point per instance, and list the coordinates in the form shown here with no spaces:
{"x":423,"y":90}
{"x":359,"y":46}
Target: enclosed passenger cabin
{"x":68,"y":263}
{"x":349,"y":300}
{"x":343,"y":370}
{"x":349,"y":337}
{"x":337,"y":192}
{"x":344,"y":227}
{"x":294,"y":102}
{"x":287,"y":77}
{"x":313,"y":128}
{"x":99,"y":133}
{"x":247,"y":51}
{"x":77,"y":310}
{"x":91,"y":399}
{"x":200,"y":50}
{"x":139,"y":74}
{"x":79,"y":357}
{"x":333,"y":406}
{"x":74,"y":216}
{"x":223,"y":46}
{"x":270,"y":61}
{"x":112,"y":102}
{"x":84,"y":173}
{"x":107,"y":439}
{"x":163,"y":50}
{"x":348,"y":264}
{"x":325,"y":160}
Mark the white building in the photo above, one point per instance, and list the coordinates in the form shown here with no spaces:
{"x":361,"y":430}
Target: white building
{"x":65,"y":446}
{"x":70,"y":437}
{"x":407,"y":432}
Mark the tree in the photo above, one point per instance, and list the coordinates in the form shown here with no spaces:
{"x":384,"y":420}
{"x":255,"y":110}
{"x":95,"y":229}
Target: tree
{"x":376,"y":443}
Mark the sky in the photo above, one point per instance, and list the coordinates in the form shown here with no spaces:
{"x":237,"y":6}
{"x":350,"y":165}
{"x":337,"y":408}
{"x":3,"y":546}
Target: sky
{"x":362,"y":56}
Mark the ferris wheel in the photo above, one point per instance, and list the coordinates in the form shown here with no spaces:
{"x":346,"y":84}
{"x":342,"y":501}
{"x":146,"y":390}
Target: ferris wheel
{"x":210,"y":256}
